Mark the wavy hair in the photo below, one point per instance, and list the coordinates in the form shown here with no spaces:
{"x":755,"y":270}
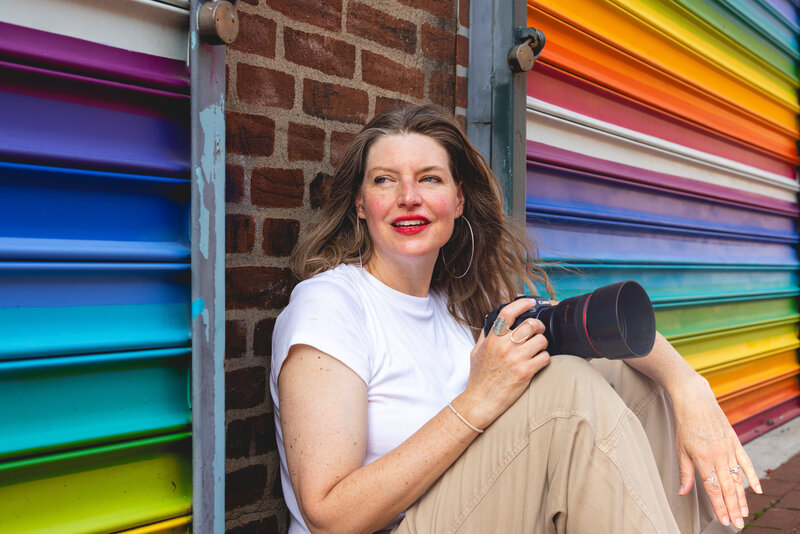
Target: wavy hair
{"x":504,"y":255}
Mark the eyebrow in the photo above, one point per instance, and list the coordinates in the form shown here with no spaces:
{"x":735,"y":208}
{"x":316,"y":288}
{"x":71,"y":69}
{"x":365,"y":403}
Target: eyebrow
{"x":387,"y":169}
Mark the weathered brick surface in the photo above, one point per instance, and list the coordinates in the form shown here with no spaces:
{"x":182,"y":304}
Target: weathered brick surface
{"x":301,"y":79}
{"x":438,"y":44}
{"x":335,"y":102}
{"x":256,"y":35}
{"x":387,"y":74}
{"x":382,"y":28}
{"x":306,"y":142}
{"x":245,"y":486}
{"x":280,"y":236}
{"x":240,"y":233}
{"x":257,"y":287}
{"x":264,"y":87}
{"x":326,"y":14}
{"x":235,"y":339}
{"x":776,"y":488}
{"x":784,"y":519}
{"x":326,"y":54}
{"x":276,"y":188}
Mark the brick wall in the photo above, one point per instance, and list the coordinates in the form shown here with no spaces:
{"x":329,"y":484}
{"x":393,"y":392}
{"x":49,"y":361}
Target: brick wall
{"x":303,"y":76}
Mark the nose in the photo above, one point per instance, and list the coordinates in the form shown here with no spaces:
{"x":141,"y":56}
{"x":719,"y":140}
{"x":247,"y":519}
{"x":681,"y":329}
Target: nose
{"x":408,"y":194}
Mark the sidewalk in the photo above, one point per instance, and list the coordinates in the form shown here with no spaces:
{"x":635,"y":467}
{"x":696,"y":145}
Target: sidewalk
{"x":776,"y":456}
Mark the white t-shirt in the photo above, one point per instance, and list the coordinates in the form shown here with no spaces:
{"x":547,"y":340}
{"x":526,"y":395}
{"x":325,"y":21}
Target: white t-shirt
{"x":409,"y":351}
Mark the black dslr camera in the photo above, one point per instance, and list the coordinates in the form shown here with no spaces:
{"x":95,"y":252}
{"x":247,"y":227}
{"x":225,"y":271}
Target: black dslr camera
{"x":614,"y":321}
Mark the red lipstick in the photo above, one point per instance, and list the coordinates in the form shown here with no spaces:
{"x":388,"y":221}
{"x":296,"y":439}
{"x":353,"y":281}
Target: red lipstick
{"x":410,"y":224}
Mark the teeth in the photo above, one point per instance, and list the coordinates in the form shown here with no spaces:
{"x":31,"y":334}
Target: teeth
{"x":407,"y":224}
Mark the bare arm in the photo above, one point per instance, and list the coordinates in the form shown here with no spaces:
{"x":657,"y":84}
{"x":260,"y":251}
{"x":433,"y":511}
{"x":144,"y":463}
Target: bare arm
{"x":704,"y":438}
{"x":324,"y":421}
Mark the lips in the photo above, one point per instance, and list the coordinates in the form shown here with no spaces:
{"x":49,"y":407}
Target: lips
{"x":410,"y":224}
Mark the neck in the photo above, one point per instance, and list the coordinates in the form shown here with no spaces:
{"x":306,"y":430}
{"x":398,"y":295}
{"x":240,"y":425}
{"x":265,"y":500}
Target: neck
{"x":411,"y":278}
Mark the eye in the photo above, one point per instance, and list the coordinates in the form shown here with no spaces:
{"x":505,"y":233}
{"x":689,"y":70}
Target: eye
{"x":431,"y":178}
{"x":380,"y":179}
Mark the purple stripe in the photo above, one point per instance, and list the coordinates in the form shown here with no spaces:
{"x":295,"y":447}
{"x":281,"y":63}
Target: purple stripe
{"x":52,"y":85}
{"x":539,"y":152}
{"x":35,"y":47}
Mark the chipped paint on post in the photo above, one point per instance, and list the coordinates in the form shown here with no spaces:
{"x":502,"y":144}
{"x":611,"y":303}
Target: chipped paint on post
{"x":208,"y":281}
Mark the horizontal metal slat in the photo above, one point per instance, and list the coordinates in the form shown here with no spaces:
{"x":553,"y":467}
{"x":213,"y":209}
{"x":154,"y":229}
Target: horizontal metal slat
{"x":63,"y":403}
{"x":101,"y":489}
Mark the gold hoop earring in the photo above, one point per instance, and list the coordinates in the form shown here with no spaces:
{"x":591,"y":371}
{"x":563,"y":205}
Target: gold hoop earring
{"x":471,"y":254}
{"x":358,"y":236}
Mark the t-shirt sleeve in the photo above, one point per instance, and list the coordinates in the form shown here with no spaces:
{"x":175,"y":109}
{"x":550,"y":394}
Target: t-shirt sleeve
{"x":327,"y":316}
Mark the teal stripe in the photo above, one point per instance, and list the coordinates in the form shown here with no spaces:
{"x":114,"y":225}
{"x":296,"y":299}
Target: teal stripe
{"x":48,"y":331}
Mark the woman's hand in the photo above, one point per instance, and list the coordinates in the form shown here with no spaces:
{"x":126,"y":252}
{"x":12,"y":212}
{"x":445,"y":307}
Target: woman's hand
{"x":705,"y":440}
{"x":502,"y":365}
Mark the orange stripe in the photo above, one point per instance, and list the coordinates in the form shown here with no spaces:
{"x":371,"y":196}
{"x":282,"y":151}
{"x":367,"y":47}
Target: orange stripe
{"x":756,"y":400}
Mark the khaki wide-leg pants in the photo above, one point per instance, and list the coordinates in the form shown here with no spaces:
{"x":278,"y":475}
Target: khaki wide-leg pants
{"x":588,"y":448}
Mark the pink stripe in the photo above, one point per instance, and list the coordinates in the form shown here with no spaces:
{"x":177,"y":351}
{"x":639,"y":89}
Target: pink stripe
{"x":758,"y":424}
{"x":555,"y":87}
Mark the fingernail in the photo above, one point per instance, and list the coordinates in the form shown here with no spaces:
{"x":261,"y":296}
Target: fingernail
{"x":682,"y":488}
{"x":739,"y":523}
{"x":725,"y":520}
{"x":758,"y":488}
{"x":745,"y":512}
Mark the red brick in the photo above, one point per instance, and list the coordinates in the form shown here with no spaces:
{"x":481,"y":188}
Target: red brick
{"x":461,"y":92}
{"x":462,"y":50}
{"x":441,"y":8}
{"x":235,"y":339}
{"x":262,"y":338}
{"x":264,"y":87}
{"x":335,"y":102}
{"x":776,"y":488}
{"x":326,"y":54}
{"x":322,"y":13}
{"x":369,"y":23}
{"x":306,"y":143}
{"x":462,"y":121}
{"x":438,"y":44}
{"x":280,"y":236}
{"x":256,"y":35}
{"x":245,"y":388}
{"x":257,"y":287}
{"x":250,"y":437}
{"x":383,"y":104}
{"x":791,"y":499}
{"x":463,"y":13}
{"x":267,"y":525}
{"x":339,"y":143}
{"x":779,"y":518}
{"x":320,"y":189}
{"x":788,"y":471}
{"x":245,"y":486}
{"x":251,"y":135}
{"x":234,"y":183}
{"x":441,"y":88}
{"x":240,"y":233}
{"x":383,"y":72}
{"x":276,"y":188}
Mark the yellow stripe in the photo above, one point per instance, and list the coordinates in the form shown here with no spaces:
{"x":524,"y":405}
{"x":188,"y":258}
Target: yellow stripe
{"x":178,"y":525}
{"x":742,"y":377}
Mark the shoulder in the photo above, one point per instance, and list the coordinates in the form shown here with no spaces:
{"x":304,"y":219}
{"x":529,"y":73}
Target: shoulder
{"x":329,"y":291}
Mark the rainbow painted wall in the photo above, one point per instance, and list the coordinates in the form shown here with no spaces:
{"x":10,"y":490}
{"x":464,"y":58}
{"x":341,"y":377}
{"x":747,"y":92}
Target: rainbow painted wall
{"x":662,"y":147}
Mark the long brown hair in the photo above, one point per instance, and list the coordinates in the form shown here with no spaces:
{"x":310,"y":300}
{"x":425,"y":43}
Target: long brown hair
{"x":504,"y":256}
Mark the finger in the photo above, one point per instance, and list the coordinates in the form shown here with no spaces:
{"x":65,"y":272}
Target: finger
{"x":730,"y":491}
{"x":526,"y":330}
{"x":509,"y":314}
{"x":686,"y":470}
{"x":537,"y":363}
{"x":738,"y":480}
{"x":713,"y":489}
{"x":747,"y":466}
{"x":533,"y":346}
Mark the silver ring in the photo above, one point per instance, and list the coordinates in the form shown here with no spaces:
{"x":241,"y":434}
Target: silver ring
{"x":712,"y":477}
{"x":500,"y":327}
{"x":521,"y":340}
{"x":736,"y":470}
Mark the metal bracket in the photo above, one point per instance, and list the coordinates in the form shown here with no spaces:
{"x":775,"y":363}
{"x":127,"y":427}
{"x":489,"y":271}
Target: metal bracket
{"x":218,"y":22}
{"x":522,"y":56}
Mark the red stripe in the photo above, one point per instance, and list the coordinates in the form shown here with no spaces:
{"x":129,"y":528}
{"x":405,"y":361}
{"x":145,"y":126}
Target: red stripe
{"x":585,"y":329}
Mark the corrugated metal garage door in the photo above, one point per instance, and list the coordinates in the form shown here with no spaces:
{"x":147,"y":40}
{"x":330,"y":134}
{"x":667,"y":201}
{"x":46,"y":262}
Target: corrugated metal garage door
{"x":95,"y":333}
{"x":662,"y":148}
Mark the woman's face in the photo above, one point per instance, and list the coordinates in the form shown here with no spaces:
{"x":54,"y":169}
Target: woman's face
{"x":408,"y":198}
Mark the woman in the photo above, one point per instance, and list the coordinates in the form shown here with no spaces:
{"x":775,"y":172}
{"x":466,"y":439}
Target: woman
{"x":394,"y":411}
